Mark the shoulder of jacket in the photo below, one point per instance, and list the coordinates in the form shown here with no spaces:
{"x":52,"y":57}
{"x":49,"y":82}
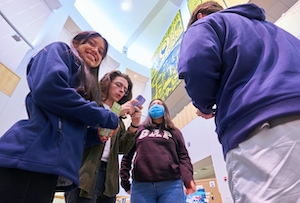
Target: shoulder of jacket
{"x":58,"y":46}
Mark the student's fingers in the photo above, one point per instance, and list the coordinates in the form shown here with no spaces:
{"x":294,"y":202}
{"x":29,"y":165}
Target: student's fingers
{"x":103,"y":138}
{"x":206,"y":116}
{"x":191,"y":189}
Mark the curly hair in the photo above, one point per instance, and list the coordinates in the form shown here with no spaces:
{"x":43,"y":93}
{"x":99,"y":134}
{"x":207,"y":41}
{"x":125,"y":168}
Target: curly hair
{"x":105,"y":83}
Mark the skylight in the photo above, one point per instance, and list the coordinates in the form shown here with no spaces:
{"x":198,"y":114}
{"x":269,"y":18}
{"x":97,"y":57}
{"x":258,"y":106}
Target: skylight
{"x":100,"y":23}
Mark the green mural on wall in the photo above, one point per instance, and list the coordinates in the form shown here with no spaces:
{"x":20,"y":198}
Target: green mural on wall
{"x":192,"y":4}
{"x":164,"y":77}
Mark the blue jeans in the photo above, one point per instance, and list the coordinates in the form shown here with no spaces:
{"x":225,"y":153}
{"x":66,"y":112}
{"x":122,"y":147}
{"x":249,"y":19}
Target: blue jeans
{"x":73,"y":196}
{"x":170,"y":191}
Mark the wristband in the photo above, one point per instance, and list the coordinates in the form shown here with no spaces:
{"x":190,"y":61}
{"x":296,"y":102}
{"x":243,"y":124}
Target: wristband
{"x":133,"y":126}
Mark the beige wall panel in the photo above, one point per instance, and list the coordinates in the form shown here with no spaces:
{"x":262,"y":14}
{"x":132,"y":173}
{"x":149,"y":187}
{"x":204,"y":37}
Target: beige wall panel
{"x":8,"y":80}
{"x":185,"y":116}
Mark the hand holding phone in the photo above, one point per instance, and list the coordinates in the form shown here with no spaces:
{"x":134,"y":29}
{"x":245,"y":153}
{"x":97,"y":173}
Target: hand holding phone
{"x":141,"y":100}
{"x":136,"y":116}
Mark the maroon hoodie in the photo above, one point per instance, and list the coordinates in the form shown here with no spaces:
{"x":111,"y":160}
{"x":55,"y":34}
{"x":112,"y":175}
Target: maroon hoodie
{"x":160,"y":155}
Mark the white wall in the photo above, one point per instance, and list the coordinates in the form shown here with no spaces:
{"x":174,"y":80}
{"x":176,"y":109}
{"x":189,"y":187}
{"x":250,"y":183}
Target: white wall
{"x":200,"y":133}
{"x":13,"y":108}
{"x":290,"y":20}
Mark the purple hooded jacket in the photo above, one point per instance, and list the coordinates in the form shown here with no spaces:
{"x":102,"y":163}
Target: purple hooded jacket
{"x":248,"y":67}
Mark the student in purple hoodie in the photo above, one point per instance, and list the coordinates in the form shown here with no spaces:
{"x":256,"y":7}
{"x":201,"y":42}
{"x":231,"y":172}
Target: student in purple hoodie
{"x":250,"y":69}
{"x":161,"y":163}
{"x":44,"y":151}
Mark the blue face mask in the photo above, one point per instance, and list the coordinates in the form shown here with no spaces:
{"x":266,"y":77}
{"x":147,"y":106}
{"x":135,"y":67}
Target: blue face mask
{"x":156,"y":111}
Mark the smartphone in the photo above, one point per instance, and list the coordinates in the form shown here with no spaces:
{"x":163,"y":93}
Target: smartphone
{"x":141,"y":100}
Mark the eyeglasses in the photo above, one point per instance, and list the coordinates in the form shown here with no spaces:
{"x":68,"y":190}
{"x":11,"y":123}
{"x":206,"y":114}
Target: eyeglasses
{"x":121,"y":86}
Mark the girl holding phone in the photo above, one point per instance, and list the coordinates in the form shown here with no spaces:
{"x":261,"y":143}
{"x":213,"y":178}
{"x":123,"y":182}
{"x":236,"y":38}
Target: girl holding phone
{"x":99,"y":172}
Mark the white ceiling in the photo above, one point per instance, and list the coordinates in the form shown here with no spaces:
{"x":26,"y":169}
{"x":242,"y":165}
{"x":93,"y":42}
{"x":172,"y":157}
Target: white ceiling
{"x":139,"y":30}
{"x":274,"y":8}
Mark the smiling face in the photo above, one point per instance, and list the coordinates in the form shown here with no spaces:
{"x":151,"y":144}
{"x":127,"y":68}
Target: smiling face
{"x":117,"y":89}
{"x":92,"y":51}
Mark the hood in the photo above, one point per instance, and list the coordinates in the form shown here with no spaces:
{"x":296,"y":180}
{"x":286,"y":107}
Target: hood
{"x":248,"y":10}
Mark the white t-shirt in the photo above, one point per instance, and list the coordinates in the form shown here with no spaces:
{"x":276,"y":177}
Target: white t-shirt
{"x":107,"y":143}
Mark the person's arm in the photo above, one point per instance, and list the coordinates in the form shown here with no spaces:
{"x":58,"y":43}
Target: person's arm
{"x":200,"y":62}
{"x":125,"y":169}
{"x":186,"y":167}
{"x":127,"y":138}
{"x":51,"y":79}
{"x":92,"y":137}
{"x":206,"y":116}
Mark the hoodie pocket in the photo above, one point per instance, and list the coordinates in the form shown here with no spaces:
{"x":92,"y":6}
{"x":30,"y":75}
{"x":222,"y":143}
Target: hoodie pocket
{"x":153,"y":167}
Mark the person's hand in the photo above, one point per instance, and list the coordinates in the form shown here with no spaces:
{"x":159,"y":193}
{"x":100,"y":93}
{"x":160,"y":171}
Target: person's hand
{"x":135,"y":119}
{"x":128,"y":192}
{"x":104,"y":138}
{"x":113,"y":132}
{"x":206,"y":116}
{"x":192,"y":189}
{"x":127,"y":108}
{"x":136,"y":116}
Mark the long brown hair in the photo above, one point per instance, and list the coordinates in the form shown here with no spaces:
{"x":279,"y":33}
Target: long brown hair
{"x":87,"y":79}
{"x":105,"y":83}
{"x":167,"y":123}
{"x":205,"y":8}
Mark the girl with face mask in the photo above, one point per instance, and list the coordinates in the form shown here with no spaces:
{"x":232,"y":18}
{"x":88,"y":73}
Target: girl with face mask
{"x":162,"y":165}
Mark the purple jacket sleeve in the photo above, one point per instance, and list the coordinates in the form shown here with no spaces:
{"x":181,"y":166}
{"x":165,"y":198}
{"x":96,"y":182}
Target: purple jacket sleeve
{"x":51,"y":78}
{"x":199,"y":65}
{"x":92,"y":137}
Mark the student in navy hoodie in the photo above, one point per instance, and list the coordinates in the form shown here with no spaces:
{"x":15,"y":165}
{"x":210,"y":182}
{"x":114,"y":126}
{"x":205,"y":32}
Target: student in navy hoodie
{"x":162,"y":164}
{"x":250,"y":69}
{"x":63,"y":100}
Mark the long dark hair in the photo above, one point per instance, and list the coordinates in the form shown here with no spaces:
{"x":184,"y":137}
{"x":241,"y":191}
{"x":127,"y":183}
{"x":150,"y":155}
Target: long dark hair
{"x":167,"y":123}
{"x":87,"y":79}
{"x":105,"y":83}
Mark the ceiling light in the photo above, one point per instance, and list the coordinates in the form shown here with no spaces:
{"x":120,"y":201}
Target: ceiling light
{"x":125,"y":6}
